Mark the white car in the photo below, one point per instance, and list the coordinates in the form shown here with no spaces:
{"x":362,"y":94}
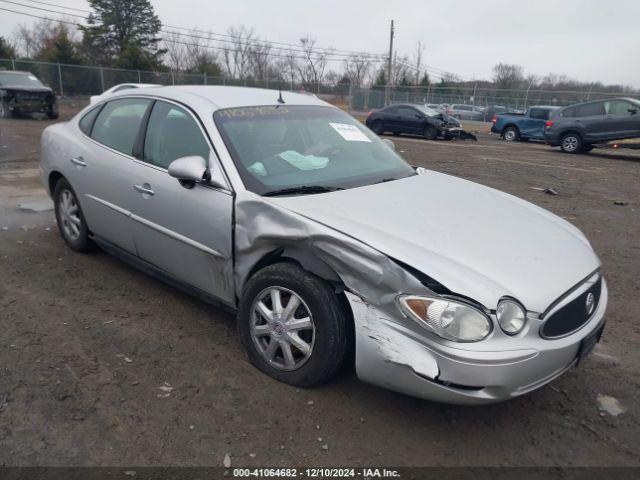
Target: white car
{"x":118,"y":88}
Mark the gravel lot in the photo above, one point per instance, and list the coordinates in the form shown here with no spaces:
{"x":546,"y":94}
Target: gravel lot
{"x":102,"y":365}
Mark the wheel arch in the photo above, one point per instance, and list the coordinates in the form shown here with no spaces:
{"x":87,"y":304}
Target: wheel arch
{"x":571,"y":130}
{"x":53,"y":179}
{"x":509,"y":125}
{"x":316,"y":266}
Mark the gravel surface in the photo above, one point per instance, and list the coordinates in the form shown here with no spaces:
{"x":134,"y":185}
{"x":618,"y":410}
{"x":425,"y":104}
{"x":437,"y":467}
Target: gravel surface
{"x":102,"y":365}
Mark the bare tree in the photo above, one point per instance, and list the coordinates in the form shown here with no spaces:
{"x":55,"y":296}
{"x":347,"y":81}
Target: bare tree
{"x":177,"y":54}
{"x":312,"y":70}
{"x":30,"y":40}
{"x":507,"y":75}
{"x":357,"y":68}
{"x":259,"y":60}
{"x":400,"y":70}
{"x":419,"y":52}
{"x":288,"y":65}
{"x":236,"y":54}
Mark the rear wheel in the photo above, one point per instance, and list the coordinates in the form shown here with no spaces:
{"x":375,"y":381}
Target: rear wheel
{"x":430,"y":132}
{"x":571,"y":143}
{"x":292,"y":325}
{"x":70,"y":218}
{"x":511,"y":134}
{"x":377,"y":127}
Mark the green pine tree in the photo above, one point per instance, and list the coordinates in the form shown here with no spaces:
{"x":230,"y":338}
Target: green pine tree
{"x":124,"y":33}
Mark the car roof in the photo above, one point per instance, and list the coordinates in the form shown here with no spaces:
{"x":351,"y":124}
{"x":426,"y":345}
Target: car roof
{"x":630,"y":99}
{"x":220,"y":97}
{"x":544,"y":106}
{"x":16,"y":72}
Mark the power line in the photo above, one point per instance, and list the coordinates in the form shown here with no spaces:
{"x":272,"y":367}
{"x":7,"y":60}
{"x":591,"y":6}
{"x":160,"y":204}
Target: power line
{"x":332,"y":55}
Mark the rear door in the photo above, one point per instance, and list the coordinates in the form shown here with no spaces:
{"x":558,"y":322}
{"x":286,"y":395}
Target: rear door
{"x":102,"y":168}
{"x":591,"y":119}
{"x":183,"y":230}
{"x":621,"y":121}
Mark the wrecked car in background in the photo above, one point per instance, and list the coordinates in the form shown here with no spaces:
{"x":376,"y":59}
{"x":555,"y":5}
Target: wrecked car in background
{"x":21,"y":93}
{"x":416,"y":119}
{"x":289,"y":211}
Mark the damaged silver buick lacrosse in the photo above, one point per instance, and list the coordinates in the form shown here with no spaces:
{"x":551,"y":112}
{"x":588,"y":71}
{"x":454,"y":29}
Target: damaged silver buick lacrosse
{"x":327,"y":243}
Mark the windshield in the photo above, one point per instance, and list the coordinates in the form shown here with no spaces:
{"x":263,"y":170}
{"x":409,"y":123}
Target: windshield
{"x":285,"y":147}
{"x":19,"y":80}
{"x":428,"y":111}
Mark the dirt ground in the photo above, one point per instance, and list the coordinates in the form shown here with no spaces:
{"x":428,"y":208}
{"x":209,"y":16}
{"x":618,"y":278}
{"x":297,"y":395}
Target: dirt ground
{"x":102,"y":365}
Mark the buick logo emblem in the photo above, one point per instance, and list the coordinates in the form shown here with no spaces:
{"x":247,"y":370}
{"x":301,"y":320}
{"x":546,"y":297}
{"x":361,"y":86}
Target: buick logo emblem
{"x":590,"y":303}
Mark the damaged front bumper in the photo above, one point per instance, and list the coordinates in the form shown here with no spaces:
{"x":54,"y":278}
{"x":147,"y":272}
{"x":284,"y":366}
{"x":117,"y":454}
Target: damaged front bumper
{"x":390,"y":355}
{"x":459,"y":133}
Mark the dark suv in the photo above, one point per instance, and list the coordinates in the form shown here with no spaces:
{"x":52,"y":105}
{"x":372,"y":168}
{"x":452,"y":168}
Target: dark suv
{"x":577,"y":127}
{"x":23,"y":93}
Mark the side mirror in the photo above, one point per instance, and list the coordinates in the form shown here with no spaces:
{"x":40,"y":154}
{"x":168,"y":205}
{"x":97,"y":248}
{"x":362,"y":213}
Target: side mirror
{"x":389,"y":143}
{"x":633,"y":111}
{"x":189,"y":170}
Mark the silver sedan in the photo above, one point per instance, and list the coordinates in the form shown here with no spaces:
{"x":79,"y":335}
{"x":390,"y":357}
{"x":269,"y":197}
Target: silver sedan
{"x":326,"y":242}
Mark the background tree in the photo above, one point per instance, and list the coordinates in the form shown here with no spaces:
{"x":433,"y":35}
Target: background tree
{"x":507,"y":75}
{"x":7,"y":50}
{"x":124,"y":33}
{"x":313,"y":67}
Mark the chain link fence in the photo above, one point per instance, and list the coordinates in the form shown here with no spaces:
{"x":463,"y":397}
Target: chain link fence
{"x":80,"y":80}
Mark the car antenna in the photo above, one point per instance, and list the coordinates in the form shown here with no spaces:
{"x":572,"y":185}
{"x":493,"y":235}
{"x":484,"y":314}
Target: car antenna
{"x":280,"y":99}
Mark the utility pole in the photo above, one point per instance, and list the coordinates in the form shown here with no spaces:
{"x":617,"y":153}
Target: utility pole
{"x":387,"y":90}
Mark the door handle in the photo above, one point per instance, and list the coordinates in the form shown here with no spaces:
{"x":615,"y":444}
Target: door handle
{"x":144,"y":190}
{"x":78,"y":161}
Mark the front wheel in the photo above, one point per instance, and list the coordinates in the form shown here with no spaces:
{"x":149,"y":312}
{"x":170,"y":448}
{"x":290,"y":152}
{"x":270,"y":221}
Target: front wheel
{"x":293,"y":326}
{"x":571,"y":143}
{"x":430,"y":133}
{"x":5,"y":112}
{"x":70,"y":218}
{"x":52,"y":111}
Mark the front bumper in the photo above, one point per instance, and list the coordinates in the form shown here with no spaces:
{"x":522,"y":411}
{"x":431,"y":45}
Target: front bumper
{"x":390,"y":355}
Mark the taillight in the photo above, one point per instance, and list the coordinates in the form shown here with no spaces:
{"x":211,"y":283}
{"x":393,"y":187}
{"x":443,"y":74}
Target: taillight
{"x":548,"y":124}
{"x":494,"y":119}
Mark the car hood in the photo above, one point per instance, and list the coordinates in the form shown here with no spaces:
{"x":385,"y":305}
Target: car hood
{"x":476,"y":241}
{"x":28,"y":89}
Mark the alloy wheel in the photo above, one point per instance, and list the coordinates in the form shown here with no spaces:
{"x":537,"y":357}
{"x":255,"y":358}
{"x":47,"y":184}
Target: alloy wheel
{"x":570,"y":143}
{"x":69,"y":215}
{"x":282,"y":328}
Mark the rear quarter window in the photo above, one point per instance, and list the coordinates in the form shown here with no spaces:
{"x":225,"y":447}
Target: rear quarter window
{"x":86,"y":122}
{"x":590,"y":109}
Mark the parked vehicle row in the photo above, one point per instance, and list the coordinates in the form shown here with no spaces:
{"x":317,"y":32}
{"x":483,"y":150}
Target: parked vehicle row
{"x":574,"y":128}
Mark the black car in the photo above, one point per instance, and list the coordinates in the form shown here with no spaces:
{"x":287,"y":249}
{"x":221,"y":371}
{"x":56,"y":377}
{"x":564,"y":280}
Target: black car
{"x":23,"y":93}
{"x":415,"y":120}
{"x":577,"y":127}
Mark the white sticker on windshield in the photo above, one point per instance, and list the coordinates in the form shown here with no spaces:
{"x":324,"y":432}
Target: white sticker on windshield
{"x":351,"y":133}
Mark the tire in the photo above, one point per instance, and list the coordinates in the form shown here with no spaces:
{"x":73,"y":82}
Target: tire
{"x":571,"y":143}
{"x":325,"y":335}
{"x":52,"y":111}
{"x":5,"y":112}
{"x":377,"y":127}
{"x":430,"y":132}
{"x":511,"y":134}
{"x":71,"y":222}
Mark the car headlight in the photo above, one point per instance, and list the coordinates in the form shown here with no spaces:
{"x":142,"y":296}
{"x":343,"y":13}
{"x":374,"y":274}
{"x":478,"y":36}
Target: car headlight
{"x":511,"y":316}
{"x":447,"y":318}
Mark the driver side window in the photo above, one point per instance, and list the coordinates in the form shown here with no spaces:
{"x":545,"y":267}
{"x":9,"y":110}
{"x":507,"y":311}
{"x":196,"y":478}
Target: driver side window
{"x":172,"y":133}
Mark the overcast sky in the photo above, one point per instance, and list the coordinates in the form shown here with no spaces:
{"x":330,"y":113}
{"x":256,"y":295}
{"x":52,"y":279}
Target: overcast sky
{"x":590,"y":40}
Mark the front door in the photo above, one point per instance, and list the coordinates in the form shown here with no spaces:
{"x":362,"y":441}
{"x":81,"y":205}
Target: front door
{"x":183,"y":230}
{"x":620,"y":119}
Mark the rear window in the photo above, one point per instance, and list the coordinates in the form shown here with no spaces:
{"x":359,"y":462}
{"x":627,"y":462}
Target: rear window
{"x":540,"y":113}
{"x":590,"y":109}
{"x":118,"y":123}
{"x":86,"y":122}
{"x":569,"y":112}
